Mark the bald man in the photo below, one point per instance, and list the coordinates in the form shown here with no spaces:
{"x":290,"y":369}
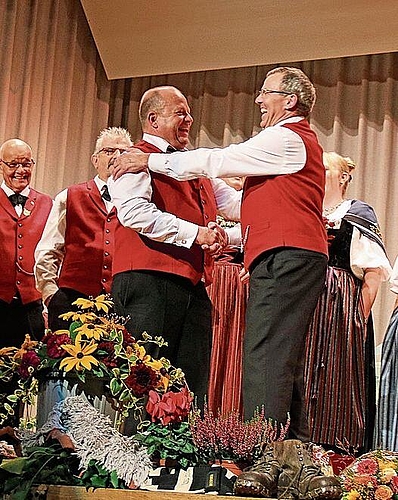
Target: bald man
{"x":23,"y":214}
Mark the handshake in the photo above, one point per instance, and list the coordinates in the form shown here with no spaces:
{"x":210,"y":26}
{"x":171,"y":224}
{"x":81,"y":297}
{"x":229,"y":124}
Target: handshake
{"x":213,"y":239}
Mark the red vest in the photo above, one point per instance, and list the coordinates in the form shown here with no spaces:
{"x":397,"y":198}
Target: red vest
{"x":190,"y":200}
{"x":286,"y":210}
{"x":18,"y":239}
{"x":89,"y":241}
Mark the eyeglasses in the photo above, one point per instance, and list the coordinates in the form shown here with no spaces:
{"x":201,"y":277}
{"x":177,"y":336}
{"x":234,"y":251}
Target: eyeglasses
{"x":111,"y":151}
{"x":265,"y":91}
{"x":15,"y":164}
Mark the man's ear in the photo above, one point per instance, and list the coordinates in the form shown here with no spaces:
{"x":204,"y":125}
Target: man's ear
{"x":153,"y":119}
{"x":94,"y":160}
{"x":291,"y":101}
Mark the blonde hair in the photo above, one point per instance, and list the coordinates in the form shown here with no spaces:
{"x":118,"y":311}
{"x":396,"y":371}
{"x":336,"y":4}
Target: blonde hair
{"x":343,"y":164}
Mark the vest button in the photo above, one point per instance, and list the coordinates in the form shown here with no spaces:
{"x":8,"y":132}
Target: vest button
{"x":107,"y":231}
{"x":106,"y":254}
{"x":106,"y":242}
{"x":103,"y":280}
{"x":18,"y":282}
{"x":20,"y":235}
{"x":20,"y":246}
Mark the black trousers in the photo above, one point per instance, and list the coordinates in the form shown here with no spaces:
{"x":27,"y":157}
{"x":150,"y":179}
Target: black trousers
{"x":61,"y":303}
{"x":284,"y":288}
{"x":170,"y":306}
{"x":18,"y":319}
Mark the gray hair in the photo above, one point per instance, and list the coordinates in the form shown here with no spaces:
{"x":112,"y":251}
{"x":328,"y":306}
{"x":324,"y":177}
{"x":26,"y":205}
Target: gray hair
{"x":112,"y":133}
{"x":297,"y":82}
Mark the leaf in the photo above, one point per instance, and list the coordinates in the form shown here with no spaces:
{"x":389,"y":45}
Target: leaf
{"x":114,"y":479}
{"x":98,"y":482}
{"x":115,"y":386}
{"x":14,"y":465}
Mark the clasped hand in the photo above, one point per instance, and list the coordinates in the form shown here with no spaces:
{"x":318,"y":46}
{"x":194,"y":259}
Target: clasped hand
{"x":213,"y":239}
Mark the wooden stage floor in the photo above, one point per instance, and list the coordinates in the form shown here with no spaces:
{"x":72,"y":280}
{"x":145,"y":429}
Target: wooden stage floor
{"x":78,"y":493}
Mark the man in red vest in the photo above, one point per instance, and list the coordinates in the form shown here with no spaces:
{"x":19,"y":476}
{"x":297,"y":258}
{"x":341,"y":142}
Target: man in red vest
{"x":23,"y":214}
{"x":74,"y":255}
{"x":160,"y":266}
{"x":282,"y":232}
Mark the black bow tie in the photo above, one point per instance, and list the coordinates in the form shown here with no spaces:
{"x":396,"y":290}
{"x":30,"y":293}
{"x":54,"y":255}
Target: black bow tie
{"x":18,"y":199}
{"x":105,"y":193}
{"x":170,"y":149}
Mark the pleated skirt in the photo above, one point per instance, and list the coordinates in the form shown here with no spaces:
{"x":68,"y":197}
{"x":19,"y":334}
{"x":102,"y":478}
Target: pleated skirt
{"x":339,"y":369}
{"x":229,"y":299}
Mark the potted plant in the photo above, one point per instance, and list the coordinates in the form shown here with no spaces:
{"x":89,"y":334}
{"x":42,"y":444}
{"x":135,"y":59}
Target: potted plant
{"x":227,"y":438}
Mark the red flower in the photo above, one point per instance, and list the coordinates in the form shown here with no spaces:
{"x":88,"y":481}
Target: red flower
{"x":171,"y":407}
{"x":367,"y":466}
{"x":128,"y":340}
{"x":109,"y":360}
{"x":141,"y":379}
{"x":54,"y":342}
{"x":394,"y":483}
{"x":29,"y":359}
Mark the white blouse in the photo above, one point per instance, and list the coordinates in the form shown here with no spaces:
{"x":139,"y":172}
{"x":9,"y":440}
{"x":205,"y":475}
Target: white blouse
{"x":364,"y":252}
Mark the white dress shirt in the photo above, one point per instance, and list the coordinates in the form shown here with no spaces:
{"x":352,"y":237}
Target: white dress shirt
{"x":50,"y":250}
{"x":132,"y":194}
{"x":25,"y":192}
{"x":275,"y":150}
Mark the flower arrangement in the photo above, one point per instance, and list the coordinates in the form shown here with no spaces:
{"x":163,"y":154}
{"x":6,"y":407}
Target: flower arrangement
{"x":373,"y":475}
{"x":229,"y":437}
{"x":97,"y":345}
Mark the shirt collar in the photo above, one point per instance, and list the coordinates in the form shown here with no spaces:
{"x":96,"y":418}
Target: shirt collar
{"x":159,"y":142}
{"x":9,"y":191}
{"x":99,"y":183}
{"x":291,"y":119}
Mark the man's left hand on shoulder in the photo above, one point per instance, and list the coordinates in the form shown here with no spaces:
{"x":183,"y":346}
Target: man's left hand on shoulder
{"x":131,"y":161}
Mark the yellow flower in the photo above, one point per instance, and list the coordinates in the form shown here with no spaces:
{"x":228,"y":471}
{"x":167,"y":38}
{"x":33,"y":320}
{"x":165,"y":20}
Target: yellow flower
{"x":80,"y":355}
{"x":79,"y":316}
{"x":92,"y":331}
{"x":140,"y":352}
{"x":387,"y":474}
{"x":101,"y":303}
{"x":61,"y":332}
{"x":352,"y":495}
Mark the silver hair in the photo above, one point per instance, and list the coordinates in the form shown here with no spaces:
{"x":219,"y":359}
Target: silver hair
{"x":111,"y":133}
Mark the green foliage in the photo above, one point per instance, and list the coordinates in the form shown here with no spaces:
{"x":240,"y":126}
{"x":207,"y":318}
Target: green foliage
{"x":51,"y":465}
{"x":173,"y":441}
{"x":97,"y":477}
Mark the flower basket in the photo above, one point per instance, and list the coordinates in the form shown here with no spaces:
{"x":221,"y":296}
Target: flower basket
{"x":373,"y":475}
{"x":97,"y":356}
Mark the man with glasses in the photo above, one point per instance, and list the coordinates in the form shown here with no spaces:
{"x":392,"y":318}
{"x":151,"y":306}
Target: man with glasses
{"x":284,"y":237}
{"x":74,"y":255}
{"x":23,"y":214}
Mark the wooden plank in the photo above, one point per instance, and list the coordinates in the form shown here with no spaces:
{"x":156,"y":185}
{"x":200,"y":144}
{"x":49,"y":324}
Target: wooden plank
{"x":79,"y":493}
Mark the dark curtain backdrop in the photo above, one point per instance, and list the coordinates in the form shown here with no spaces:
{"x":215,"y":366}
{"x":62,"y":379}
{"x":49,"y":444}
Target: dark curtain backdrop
{"x":55,"y":95}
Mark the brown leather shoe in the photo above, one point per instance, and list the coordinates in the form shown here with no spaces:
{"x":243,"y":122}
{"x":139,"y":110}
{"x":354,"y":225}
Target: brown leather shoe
{"x":261,"y":480}
{"x":255,"y":484}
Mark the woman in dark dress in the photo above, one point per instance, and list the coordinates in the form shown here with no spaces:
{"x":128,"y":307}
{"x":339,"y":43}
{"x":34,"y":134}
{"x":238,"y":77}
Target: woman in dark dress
{"x":339,"y":372}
